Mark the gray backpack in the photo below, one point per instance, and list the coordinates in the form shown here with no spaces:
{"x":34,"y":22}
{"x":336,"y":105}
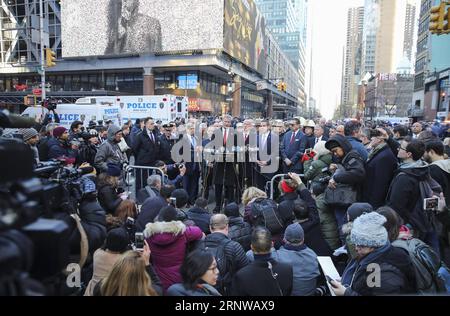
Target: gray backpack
{"x":426,"y":265}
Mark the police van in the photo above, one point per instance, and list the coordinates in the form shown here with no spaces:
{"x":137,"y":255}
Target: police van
{"x":165,"y":108}
{"x":118,"y":109}
{"x":68,"y":113}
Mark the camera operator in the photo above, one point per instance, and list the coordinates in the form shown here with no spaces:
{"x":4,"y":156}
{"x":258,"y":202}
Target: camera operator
{"x":175,"y":172}
{"x":59,"y":146}
{"x":30,"y":137}
{"x":43,"y":143}
{"x":109,"y":151}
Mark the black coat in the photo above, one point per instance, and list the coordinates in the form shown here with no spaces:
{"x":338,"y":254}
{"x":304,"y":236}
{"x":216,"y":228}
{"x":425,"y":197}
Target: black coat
{"x":404,"y":194}
{"x":165,"y":149}
{"x":225,"y":172}
{"x":256,"y":279}
{"x":353,"y":171}
{"x":240,"y":231}
{"x":397,"y":276}
{"x":379,"y":173}
{"x":200,"y":217}
{"x":149,"y":211}
{"x":143,"y":195}
{"x":109,"y":199}
{"x":146,"y":151}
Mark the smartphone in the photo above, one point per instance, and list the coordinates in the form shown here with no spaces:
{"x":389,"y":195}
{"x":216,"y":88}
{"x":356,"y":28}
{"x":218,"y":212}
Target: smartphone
{"x":431,"y":204}
{"x":173,"y":201}
{"x":139,"y":241}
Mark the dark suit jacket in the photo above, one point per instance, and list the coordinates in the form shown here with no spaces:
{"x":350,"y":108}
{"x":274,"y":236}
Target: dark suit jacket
{"x":147,"y":152}
{"x":192,"y":167}
{"x":224,"y":172}
{"x":294,"y":151}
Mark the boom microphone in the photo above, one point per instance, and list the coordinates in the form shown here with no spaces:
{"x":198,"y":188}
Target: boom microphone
{"x":15,"y":121}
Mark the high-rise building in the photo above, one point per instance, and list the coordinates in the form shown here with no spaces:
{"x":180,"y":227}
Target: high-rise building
{"x":287,"y":21}
{"x":388,"y":34}
{"x":353,"y":51}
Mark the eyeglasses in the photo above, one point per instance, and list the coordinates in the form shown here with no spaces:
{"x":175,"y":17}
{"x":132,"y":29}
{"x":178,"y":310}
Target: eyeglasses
{"x":401,"y":148}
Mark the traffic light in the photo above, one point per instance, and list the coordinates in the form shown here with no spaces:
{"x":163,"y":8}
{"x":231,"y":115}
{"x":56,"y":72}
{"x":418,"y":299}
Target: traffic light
{"x":437,"y":18}
{"x":50,"y":57}
{"x":282,"y":86}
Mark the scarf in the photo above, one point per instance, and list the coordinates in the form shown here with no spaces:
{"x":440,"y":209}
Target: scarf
{"x":356,"y":264}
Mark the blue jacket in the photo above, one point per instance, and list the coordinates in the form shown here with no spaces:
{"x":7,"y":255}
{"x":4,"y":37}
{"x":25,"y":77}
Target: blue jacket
{"x":359,"y":147}
{"x":294,"y":152}
{"x":57,"y":149}
{"x":305,"y":267}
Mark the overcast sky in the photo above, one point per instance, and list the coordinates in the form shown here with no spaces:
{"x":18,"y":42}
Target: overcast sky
{"x":328,"y":21}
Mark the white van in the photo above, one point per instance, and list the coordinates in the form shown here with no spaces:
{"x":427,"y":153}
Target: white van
{"x":165,"y":108}
{"x":68,"y":113}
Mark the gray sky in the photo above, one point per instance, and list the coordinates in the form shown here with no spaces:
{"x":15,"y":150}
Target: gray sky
{"x":328,"y":21}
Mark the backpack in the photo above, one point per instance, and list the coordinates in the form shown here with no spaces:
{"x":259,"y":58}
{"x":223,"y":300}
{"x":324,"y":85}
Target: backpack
{"x":265,"y":213}
{"x":426,"y":265}
{"x":224,"y":263}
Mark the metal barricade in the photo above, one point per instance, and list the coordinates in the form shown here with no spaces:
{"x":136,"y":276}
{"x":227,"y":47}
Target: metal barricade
{"x":136,"y":178}
{"x":271,"y":183}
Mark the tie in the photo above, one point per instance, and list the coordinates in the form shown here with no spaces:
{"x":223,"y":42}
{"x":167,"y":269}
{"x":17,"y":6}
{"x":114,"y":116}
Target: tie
{"x":225,"y":137}
{"x":293,"y":137}
{"x":151,"y":137}
{"x":317,"y":140}
{"x":193,"y":142}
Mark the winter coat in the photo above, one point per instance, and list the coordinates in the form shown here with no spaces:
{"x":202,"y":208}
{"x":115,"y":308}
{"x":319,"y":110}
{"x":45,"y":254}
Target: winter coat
{"x":379,"y":173}
{"x":240,"y":231}
{"x":396,"y":273}
{"x":352,"y":171}
{"x":294,"y":151}
{"x":87,"y":153}
{"x":404,"y":194}
{"x":103,"y":264}
{"x":200,"y":217}
{"x":305,"y":268}
{"x":256,"y":279}
{"x":58,"y":149}
{"x":359,"y":147}
{"x":149,"y":211}
{"x":314,"y":168}
{"x":328,"y":223}
{"x":440,"y":171}
{"x":43,"y":148}
{"x":233,"y":251}
{"x":168,"y":242}
{"x":203,"y":290}
{"x":146,"y":151}
{"x":108,"y":198}
{"x":109,"y":152}
{"x":145,"y":193}
{"x":165,"y":150}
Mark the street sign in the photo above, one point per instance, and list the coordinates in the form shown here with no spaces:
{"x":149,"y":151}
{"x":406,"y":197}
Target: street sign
{"x":261,"y":85}
{"x":37,"y":92}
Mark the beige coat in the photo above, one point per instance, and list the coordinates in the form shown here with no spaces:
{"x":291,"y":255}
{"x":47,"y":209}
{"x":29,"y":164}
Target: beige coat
{"x":103,"y":264}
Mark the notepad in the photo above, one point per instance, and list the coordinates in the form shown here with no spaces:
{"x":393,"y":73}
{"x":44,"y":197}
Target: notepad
{"x":328,"y":268}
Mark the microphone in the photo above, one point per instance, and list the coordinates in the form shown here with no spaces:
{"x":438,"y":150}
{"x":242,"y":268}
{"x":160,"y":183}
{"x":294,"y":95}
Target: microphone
{"x":85,"y":170}
{"x":15,"y":121}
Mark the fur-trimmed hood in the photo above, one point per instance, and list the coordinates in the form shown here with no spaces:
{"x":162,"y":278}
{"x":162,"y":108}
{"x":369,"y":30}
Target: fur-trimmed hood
{"x":347,"y":228}
{"x":164,"y":233}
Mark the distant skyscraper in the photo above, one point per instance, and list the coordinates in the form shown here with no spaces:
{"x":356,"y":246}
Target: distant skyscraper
{"x":353,"y":52}
{"x":388,"y":34}
{"x":287,"y":21}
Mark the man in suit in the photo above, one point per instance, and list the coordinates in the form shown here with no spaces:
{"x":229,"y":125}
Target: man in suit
{"x":146,"y":147}
{"x":292,"y":148}
{"x":264,"y":276}
{"x":192,"y":176}
{"x":225,"y":173}
{"x":319,"y":134}
{"x":264,"y":142}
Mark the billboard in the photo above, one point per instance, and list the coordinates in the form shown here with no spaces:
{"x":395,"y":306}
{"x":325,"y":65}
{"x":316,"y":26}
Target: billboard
{"x":122,"y":27}
{"x":245,"y":33}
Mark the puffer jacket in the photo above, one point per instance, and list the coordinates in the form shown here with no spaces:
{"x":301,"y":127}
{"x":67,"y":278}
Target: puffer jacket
{"x":353,"y":170}
{"x":328,"y":223}
{"x":109,"y":152}
{"x":314,"y":169}
{"x":168,"y":242}
{"x":396,"y":275}
{"x":240,"y":231}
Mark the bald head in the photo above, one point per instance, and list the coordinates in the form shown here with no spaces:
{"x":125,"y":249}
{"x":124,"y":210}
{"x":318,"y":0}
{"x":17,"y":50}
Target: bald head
{"x":219,"y":223}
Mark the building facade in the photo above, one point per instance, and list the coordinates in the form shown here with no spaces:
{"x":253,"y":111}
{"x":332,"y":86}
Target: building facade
{"x":214,"y":63}
{"x":353,"y":53}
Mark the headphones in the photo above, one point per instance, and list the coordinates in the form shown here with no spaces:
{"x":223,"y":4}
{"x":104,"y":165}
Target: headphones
{"x":274,"y":276}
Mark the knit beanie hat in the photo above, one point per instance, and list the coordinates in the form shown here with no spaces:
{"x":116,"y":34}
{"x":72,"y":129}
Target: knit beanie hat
{"x":294,"y":234}
{"x":114,"y":170}
{"x":232,"y":210}
{"x":29,"y":133}
{"x":368,"y":231}
{"x":57,"y":132}
{"x":357,"y":209}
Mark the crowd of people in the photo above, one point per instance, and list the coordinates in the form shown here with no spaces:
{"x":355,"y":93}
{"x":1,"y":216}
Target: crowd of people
{"x":361,"y":194}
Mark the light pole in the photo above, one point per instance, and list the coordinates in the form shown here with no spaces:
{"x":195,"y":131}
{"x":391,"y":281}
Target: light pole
{"x":41,"y":26}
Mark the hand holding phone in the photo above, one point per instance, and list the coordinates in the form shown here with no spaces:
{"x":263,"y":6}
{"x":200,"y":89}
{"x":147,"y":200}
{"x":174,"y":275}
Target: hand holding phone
{"x":139,"y":241}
